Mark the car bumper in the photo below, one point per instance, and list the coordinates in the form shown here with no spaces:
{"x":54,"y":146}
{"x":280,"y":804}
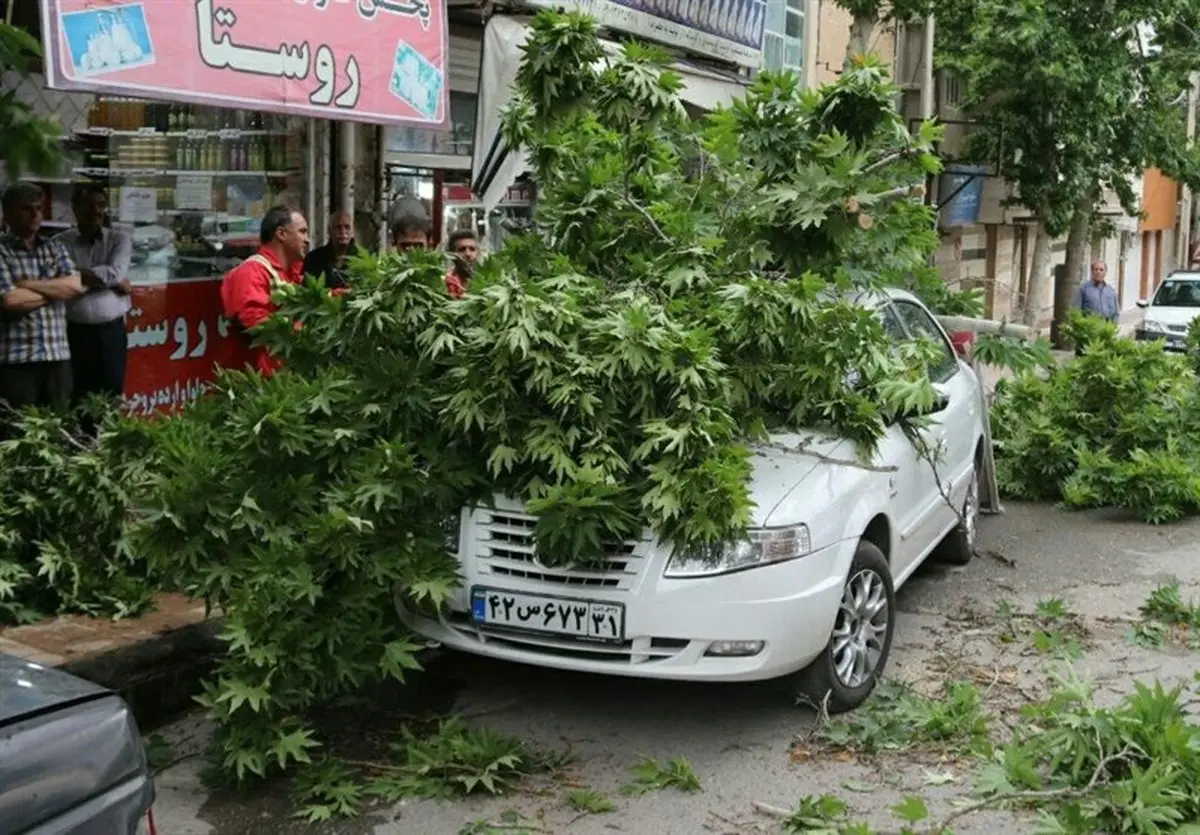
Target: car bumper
{"x":671,"y":625}
{"x":1170,"y":341}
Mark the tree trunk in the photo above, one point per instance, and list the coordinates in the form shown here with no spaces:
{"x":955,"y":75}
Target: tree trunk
{"x":1078,"y":240}
{"x":861,"y":29}
{"x":1039,"y":277}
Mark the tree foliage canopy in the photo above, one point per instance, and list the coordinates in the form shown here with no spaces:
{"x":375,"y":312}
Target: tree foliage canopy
{"x":1074,"y":96}
{"x":681,"y":297}
{"x":30,"y":141}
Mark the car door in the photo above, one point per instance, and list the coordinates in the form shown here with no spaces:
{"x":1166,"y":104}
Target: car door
{"x":909,"y":484}
{"x":948,"y":432}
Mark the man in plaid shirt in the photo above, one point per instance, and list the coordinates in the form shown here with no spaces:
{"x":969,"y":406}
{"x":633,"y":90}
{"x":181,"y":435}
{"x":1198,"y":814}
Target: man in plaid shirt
{"x":37,"y":277}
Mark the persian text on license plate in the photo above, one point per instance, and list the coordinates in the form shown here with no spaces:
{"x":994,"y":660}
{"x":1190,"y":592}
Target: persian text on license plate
{"x":588,"y":620}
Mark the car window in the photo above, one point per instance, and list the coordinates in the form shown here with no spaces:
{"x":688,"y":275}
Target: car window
{"x":1175,"y":293}
{"x":892,"y":325}
{"x":922,"y":326}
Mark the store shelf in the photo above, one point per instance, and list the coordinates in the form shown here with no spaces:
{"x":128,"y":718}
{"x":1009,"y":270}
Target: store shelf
{"x":193,"y":133}
{"x":174,"y":173}
{"x":157,"y":172}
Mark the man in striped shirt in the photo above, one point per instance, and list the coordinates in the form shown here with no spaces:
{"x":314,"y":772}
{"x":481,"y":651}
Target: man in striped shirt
{"x":37,"y":278}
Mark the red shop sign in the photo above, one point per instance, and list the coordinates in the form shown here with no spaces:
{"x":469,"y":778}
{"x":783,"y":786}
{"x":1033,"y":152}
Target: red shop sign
{"x":177,"y":339}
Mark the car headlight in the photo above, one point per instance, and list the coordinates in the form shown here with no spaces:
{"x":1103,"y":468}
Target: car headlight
{"x":1153,"y":327}
{"x":762,"y":546}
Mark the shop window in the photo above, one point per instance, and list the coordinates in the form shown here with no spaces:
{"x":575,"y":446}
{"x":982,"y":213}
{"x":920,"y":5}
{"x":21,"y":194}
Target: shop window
{"x":189,"y":183}
{"x":456,"y":139}
{"x":455,"y":207}
{"x":783,"y":36}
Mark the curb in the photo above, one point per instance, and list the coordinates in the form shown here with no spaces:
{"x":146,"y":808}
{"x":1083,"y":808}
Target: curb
{"x":157,"y":662}
{"x":158,"y":678}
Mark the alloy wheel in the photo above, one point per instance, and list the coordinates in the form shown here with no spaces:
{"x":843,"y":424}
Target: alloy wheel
{"x":861,"y":628}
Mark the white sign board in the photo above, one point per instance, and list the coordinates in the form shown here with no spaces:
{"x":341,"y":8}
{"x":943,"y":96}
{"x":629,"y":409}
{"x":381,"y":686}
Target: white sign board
{"x":138,"y":205}
{"x":193,"y":191}
{"x":728,"y":30}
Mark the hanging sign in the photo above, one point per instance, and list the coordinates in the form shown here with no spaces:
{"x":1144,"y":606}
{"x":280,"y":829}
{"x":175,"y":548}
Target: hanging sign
{"x":378,"y":61}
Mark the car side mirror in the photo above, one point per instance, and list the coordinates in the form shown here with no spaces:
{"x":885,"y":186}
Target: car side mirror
{"x":941,"y":402}
{"x":1143,"y":303}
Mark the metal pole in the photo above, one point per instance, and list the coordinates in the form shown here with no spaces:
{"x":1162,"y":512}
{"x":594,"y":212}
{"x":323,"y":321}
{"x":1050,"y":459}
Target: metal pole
{"x":1183,"y":249}
{"x":928,"y":91}
{"x":347,"y":156}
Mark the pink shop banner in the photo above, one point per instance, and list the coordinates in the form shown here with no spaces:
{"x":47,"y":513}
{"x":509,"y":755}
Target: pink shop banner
{"x":379,"y":61}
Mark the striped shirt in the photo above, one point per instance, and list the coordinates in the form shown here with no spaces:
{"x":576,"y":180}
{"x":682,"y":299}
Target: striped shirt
{"x":39,"y":336}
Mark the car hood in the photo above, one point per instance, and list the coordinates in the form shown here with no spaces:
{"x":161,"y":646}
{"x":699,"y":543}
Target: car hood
{"x":1172,"y":315}
{"x":786,"y":460}
{"x":27,"y":688}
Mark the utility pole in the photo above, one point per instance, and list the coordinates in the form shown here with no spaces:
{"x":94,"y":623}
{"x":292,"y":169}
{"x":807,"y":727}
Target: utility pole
{"x":1183,"y":238}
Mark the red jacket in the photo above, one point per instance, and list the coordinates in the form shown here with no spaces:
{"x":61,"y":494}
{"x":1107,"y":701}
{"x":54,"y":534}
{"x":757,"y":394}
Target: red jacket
{"x":246,"y":298}
{"x":454,"y":285}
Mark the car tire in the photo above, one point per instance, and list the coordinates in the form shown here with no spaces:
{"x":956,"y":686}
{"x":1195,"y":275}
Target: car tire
{"x":844,"y":674}
{"x":958,"y":548}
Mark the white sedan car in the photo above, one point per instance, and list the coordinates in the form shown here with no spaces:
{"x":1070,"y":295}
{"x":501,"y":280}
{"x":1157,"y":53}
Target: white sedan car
{"x":1171,"y":310}
{"x":807,"y":598}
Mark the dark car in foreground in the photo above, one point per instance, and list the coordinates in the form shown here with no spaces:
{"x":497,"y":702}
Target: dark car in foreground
{"x":71,"y":757}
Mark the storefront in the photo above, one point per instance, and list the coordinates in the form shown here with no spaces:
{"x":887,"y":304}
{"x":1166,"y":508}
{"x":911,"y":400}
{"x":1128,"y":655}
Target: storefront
{"x":434,"y":165}
{"x":496,"y":168}
{"x":193,"y":150}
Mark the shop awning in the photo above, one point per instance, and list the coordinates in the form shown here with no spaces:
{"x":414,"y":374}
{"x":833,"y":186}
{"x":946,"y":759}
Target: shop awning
{"x":494,"y":167}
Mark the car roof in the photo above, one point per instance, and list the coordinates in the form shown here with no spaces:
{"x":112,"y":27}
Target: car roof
{"x":26,"y":687}
{"x":873,"y":297}
{"x":1183,"y":275}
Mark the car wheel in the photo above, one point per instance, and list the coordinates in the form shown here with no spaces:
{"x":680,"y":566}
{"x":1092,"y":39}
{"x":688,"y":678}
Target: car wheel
{"x":845,"y":673}
{"x":958,"y":548}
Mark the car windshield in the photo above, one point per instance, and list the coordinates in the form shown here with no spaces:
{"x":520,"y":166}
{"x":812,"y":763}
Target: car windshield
{"x":1178,"y":294}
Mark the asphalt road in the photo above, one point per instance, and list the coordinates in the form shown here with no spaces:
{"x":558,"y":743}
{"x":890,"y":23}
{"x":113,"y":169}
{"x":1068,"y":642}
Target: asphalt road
{"x":738,"y":738}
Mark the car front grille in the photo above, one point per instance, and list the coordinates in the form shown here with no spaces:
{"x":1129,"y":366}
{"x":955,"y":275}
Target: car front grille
{"x":504,"y":547}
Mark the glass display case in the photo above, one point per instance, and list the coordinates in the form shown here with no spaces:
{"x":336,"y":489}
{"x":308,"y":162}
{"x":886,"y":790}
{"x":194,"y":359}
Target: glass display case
{"x":189,"y":183}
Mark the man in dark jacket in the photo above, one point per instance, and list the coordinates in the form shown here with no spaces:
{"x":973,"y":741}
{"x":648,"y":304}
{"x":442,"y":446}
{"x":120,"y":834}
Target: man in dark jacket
{"x":330,"y":261}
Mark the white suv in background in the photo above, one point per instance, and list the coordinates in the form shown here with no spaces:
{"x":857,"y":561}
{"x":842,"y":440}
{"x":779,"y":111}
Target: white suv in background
{"x":1171,"y":310}
{"x":808,"y":597}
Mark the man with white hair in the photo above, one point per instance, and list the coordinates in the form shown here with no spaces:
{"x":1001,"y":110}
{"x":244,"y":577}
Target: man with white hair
{"x":1096,"y":298}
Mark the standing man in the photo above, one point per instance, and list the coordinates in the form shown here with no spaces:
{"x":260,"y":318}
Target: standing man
{"x":246,"y":289}
{"x":1095,"y":297}
{"x":329,"y":261}
{"x":464,"y":247}
{"x":96,"y":320}
{"x":37,"y":278}
{"x":411,"y":231}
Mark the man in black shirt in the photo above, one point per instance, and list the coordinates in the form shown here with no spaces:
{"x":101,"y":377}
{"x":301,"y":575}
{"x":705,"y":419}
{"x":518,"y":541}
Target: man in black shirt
{"x":329,"y":261}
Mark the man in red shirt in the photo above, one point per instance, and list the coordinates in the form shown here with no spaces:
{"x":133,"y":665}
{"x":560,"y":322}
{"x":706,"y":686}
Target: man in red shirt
{"x":246,"y":289}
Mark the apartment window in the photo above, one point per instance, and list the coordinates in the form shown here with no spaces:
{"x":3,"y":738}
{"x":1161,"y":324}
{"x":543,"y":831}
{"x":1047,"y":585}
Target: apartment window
{"x":783,"y":36}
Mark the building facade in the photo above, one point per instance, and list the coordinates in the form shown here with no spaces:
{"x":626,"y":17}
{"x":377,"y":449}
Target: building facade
{"x":988,"y":244}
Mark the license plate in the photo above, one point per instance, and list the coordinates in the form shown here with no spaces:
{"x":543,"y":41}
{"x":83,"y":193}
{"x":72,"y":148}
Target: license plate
{"x":585,"y":620}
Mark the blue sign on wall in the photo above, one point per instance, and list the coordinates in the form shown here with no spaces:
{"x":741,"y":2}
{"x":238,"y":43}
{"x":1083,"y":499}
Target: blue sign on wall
{"x":961,"y":195}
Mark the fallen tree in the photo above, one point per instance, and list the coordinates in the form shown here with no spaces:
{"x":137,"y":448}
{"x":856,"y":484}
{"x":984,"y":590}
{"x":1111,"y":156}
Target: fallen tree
{"x":1118,"y":427}
{"x":677,"y":301}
